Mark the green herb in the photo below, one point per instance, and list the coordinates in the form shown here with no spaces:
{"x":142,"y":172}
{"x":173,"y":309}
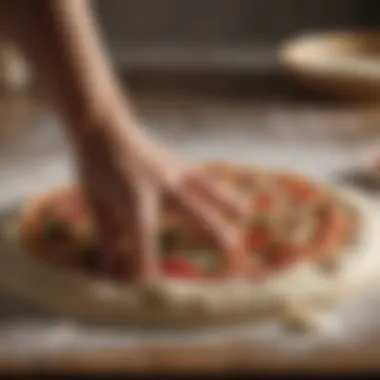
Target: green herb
{"x":261,"y":222}
{"x":168,"y":240}
{"x":89,"y":256}
{"x":209,"y":260}
{"x":55,"y":230}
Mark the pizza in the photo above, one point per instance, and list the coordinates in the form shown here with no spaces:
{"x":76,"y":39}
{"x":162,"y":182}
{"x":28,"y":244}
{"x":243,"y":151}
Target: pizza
{"x":291,"y":220}
{"x":306,"y":242}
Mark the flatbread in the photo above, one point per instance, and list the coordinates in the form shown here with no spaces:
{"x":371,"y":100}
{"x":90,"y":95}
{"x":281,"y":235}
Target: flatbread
{"x":318,"y":276}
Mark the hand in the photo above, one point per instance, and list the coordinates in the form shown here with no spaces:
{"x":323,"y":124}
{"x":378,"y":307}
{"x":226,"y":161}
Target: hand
{"x":127,"y":178}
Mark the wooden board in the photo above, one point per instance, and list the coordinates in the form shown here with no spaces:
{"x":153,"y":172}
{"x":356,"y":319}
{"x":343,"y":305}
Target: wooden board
{"x":225,"y":358}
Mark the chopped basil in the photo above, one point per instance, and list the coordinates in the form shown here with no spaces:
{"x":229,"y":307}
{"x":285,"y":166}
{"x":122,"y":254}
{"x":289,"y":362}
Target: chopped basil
{"x":55,"y":230}
{"x":261,"y":222}
{"x":209,"y":260}
{"x":168,"y":240}
{"x":89,"y":256}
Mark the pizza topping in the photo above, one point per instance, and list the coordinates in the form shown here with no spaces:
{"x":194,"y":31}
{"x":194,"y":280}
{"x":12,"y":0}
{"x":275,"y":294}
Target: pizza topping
{"x":206,"y":261}
{"x":300,"y":229}
{"x":291,"y":219}
{"x":263,"y":203}
{"x":180,"y":267}
{"x":261,"y":223}
{"x":280,"y":255}
{"x":300,"y":191}
{"x":331,"y":228}
{"x":258,"y":239}
{"x":209,"y":261}
{"x":56,"y":230}
{"x":169,"y":240}
{"x":90,"y":257}
{"x":84,"y":229}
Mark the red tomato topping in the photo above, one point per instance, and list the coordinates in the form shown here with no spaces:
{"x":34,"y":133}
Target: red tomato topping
{"x":181,"y":267}
{"x":263,"y":203}
{"x":299,"y":190}
{"x":282,"y":255}
{"x":77,"y":209}
{"x":331,"y":229}
{"x":257,"y":239}
{"x":267,"y":235}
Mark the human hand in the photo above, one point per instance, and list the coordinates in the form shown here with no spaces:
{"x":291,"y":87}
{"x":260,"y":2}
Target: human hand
{"x":128,"y":179}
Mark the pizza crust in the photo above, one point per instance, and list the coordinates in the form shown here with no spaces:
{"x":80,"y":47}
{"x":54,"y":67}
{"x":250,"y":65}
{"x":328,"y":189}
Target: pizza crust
{"x":180,"y":303}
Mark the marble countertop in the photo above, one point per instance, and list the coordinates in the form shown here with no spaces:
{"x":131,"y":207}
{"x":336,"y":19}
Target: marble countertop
{"x":320,"y":139}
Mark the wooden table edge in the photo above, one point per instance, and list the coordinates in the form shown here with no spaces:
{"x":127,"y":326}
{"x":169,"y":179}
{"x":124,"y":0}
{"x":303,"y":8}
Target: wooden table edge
{"x":221,"y":359}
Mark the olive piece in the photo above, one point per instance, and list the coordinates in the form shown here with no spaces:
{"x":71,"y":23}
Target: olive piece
{"x":90,"y":257}
{"x":55,"y":230}
{"x":168,"y":240}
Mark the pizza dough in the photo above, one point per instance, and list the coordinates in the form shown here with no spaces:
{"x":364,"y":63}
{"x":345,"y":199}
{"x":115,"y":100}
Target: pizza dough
{"x":310,"y":245}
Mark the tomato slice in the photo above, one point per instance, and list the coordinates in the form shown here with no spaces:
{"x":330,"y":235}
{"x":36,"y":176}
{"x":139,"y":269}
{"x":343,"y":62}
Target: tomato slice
{"x":181,"y":267}
{"x":263,"y":203}
{"x":259,"y":233}
{"x":331,"y":230}
{"x":282,"y":255}
{"x":257,"y":240}
{"x":301,"y":191}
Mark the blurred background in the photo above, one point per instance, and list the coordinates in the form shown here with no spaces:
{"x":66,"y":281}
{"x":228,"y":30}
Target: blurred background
{"x":228,"y":66}
{"x":218,"y":36}
{"x":225,"y":67}
{"x":151,"y":33}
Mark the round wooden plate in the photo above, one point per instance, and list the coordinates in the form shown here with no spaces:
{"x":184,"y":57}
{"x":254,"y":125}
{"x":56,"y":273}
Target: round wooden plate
{"x":345,"y":64}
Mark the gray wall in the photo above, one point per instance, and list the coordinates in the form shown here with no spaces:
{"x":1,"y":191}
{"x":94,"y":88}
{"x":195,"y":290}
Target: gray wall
{"x":226,"y":22}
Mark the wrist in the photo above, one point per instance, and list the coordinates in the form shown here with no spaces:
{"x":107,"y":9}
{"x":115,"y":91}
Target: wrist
{"x":100,"y":122}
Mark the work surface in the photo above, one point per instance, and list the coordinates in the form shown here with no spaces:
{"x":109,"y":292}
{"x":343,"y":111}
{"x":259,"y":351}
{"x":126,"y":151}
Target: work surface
{"x":198,"y":119}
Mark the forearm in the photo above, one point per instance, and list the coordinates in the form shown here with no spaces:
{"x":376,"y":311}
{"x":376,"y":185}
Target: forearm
{"x":61,"y":41}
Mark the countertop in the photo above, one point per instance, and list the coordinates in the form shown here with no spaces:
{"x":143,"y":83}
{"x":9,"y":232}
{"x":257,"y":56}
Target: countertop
{"x":260,"y":119}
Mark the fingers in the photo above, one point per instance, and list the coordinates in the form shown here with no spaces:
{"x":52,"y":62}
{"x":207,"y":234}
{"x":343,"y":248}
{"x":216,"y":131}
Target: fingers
{"x":146,"y":252}
{"x":108,"y":227}
{"x":217,"y":195}
{"x":127,"y":228}
{"x":126,"y":213}
{"x":227,"y":238}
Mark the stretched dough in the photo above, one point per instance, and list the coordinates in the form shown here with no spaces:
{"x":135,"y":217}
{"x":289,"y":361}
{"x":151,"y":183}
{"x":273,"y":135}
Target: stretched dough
{"x":179,"y":303}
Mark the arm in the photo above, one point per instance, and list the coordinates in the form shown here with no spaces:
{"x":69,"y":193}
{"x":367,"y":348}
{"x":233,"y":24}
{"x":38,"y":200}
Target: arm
{"x":123,"y":174}
{"x":61,"y":40}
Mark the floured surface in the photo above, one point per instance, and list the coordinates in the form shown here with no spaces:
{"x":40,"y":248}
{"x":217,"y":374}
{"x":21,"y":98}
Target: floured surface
{"x":26,"y":330}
